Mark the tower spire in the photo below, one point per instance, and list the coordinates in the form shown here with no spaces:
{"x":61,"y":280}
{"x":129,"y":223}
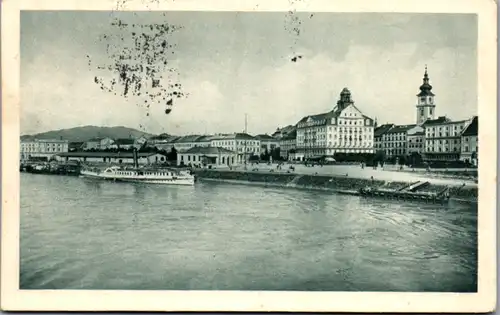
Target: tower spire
{"x":425,"y":88}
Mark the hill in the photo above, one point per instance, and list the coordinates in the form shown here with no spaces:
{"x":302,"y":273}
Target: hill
{"x":88,"y":132}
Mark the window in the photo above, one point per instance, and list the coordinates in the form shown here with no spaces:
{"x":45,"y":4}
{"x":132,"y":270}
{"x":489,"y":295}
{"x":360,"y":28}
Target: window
{"x":431,"y":110}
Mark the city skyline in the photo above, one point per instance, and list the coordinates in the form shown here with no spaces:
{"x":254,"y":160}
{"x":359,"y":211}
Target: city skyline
{"x":228,"y":74}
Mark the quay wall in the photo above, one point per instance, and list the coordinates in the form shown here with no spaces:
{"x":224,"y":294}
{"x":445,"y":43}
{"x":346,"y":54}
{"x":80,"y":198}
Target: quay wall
{"x":339,"y":184}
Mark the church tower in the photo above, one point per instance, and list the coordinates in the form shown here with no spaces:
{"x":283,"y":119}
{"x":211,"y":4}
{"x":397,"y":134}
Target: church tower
{"x":425,"y":101}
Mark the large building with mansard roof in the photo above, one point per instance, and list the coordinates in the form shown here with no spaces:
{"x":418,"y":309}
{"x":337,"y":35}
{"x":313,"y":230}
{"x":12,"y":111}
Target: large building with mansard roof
{"x":344,"y":129}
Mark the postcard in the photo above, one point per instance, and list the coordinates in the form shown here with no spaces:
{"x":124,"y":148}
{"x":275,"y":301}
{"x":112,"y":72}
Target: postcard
{"x":197,"y":155}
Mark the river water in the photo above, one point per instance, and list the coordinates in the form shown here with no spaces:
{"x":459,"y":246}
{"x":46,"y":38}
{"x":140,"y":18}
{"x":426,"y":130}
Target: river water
{"x":85,"y":234}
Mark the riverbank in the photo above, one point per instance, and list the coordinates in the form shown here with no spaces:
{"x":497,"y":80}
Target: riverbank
{"x":338,"y":184}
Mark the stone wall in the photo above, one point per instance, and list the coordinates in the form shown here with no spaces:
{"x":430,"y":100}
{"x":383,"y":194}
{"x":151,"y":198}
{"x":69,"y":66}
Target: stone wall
{"x":331,"y":183}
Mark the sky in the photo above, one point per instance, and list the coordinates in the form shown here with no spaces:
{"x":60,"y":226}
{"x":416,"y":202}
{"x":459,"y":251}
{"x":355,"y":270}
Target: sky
{"x":236,"y":63}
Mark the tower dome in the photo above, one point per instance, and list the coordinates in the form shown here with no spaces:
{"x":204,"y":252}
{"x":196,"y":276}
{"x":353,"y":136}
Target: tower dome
{"x":425,"y":88}
{"x":345,"y":99}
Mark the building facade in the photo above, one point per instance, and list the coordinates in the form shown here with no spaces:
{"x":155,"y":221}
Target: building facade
{"x":244,"y":145}
{"x":125,"y":144}
{"x":204,"y":156}
{"x":98,"y":144}
{"x":396,"y":140}
{"x":345,"y":129}
{"x":416,"y":140}
{"x":470,"y":143}
{"x":288,"y":146}
{"x":42,"y":149}
{"x":378,"y":134}
{"x":443,"y":139}
{"x":267,"y":143}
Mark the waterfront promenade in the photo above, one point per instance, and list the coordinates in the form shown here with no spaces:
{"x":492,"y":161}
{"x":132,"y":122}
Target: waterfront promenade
{"x":355,"y":171}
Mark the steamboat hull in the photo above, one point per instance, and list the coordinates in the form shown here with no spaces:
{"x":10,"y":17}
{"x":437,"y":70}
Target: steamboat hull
{"x":179,"y":180}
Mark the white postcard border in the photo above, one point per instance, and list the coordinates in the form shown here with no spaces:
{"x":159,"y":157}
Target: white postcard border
{"x":84,"y":300}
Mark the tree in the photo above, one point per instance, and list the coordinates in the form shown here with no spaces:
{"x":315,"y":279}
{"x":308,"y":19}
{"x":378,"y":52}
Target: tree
{"x":276,"y":153}
{"x":415,"y":158}
{"x":379,"y":157}
{"x":265,"y":156}
{"x":172,"y":155}
{"x":402,"y":160}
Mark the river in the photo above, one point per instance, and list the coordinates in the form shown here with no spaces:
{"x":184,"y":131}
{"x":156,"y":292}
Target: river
{"x":85,"y":234}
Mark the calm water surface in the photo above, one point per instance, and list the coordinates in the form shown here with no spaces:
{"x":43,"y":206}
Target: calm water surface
{"x":83,"y":234}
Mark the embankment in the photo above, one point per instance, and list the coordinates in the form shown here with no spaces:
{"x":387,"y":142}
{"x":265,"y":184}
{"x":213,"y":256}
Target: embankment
{"x":339,"y":184}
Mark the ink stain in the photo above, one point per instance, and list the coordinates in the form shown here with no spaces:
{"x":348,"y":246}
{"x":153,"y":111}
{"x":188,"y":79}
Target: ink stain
{"x":138,"y":64}
{"x":293,"y":25}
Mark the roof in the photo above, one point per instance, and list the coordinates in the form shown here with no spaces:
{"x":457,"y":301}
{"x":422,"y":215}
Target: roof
{"x":400,"y":128}
{"x":319,"y":117}
{"x":106,"y":154}
{"x":237,"y":136}
{"x":290,"y":136}
{"x":46,"y":140}
{"x":186,"y":139}
{"x":124,"y":141}
{"x":418,"y":133}
{"x":75,"y":144}
{"x":204,"y":138}
{"x":162,"y":136}
{"x":283,"y":131}
{"x":207,"y":150}
{"x":439,"y":120}
{"x":331,"y":114}
{"x":471,"y":129}
{"x":264,"y":137}
{"x":382,"y":129}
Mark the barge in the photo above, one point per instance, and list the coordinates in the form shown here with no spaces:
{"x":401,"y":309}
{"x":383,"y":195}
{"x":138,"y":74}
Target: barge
{"x":419,"y":191}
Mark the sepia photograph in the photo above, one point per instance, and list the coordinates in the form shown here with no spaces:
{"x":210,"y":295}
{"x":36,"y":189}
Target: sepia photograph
{"x":249,"y":157}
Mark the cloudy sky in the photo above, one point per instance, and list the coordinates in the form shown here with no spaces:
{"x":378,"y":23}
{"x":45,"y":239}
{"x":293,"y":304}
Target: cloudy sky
{"x":233,"y":63}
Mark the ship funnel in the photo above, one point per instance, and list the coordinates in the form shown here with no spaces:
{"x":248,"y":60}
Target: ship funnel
{"x":136,"y":162}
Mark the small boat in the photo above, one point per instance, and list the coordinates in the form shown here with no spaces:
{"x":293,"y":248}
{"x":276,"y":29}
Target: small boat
{"x":149,"y":176}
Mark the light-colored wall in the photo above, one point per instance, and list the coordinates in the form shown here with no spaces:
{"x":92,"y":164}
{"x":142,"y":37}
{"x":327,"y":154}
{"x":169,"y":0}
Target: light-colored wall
{"x":197,"y":159}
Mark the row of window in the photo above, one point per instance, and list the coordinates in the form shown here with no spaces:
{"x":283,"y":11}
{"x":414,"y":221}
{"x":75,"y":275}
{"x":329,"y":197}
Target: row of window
{"x":444,"y":128}
{"x":45,"y":150}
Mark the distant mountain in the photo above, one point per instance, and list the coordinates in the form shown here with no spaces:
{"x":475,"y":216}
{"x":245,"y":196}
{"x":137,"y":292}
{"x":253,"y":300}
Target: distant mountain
{"x":88,"y":132}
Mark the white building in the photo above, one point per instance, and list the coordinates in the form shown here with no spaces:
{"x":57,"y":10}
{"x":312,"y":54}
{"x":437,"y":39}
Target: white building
{"x":243,"y":144}
{"x":443,"y":139}
{"x":42,"y":148}
{"x":267,"y":143}
{"x":204,"y":156}
{"x":124,"y":144}
{"x":185,"y":143}
{"x":98,"y":143}
{"x":345,"y":129}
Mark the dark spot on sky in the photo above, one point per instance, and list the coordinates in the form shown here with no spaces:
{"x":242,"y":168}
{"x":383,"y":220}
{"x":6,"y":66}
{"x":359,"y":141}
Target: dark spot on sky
{"x":294,"y":59}
{"x":137,"y":54}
